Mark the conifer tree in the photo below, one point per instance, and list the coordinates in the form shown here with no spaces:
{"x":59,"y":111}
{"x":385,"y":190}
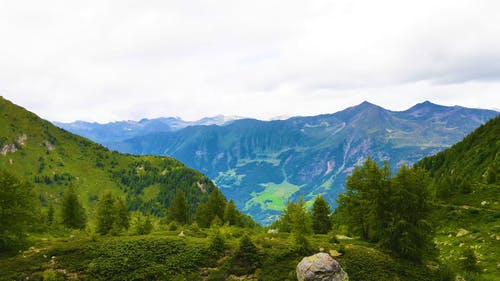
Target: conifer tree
{"x":18,"y":206}
{"x":320,"y":215}
{"x":73,"y":213}
{"x":105,"y":213}
{"x":178,"y":210}
{"x":50,"y":215}
{"x":202,"y":215}
{"x":231,"y":214}
{"x":246,"y":259}
{"x":216,"y":204}
{"x":122,"y":215}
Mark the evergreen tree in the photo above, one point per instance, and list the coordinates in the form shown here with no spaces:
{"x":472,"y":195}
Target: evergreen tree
{"x":364,"y":202}
{"x":320,"y":215}
{"x":202,"y":215}
{"x":122,"y":215}
{"x":407,"y":229}
{"x":50,"y":215}
{"x":178,"y":210}
{"x":105,"y":213}
{"x":143,"y":225}
{"x":246,"y":259}
{"x":206,"y":212}
{"x":18,"y":206}
{"x":73,"y":213}
{"x":392,"y":211}
{"x":295,"y":218}
{"x":216,"y":204}
{"x":231,"y":214}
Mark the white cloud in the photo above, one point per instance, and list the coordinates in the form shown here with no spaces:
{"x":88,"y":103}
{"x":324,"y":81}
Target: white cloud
{"x":110,"y":60}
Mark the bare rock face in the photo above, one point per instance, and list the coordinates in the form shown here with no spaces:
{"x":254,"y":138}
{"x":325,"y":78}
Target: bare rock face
{"x":320,"y":267}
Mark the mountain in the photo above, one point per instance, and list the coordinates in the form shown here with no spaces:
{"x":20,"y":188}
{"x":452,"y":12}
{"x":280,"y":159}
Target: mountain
{"x":121,"y":130}
{"x":263,"y":164}
{"x":466,"y":179}
{"x":54,"y":159}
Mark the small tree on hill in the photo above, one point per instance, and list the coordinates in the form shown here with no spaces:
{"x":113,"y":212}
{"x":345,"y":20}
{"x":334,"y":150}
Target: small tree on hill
{"x":320,"y":215}
{"x":18,"y":206}
{"x":111,"y":214}
{"x":178,"y":210}
{"x":122,"y":215}
{"x":231,"y":214}
{"x":73,"y":213}
{"x":246,"y":259}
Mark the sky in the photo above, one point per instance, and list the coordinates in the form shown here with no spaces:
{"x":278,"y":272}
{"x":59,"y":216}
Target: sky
{"x":126,"y":60}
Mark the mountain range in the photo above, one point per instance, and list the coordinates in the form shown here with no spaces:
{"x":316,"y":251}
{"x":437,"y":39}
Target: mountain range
{"x":262,"y":165}
{"x":122,"y":130}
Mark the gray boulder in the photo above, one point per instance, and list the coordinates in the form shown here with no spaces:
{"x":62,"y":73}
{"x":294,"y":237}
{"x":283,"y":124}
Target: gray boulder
{"x":320,"y":267}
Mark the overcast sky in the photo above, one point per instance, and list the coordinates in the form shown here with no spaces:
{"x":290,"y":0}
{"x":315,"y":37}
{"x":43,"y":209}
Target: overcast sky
{"x":114,"y":60}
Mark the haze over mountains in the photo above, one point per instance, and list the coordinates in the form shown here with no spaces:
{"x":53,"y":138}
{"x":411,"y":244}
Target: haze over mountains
{"x":263,"y":164}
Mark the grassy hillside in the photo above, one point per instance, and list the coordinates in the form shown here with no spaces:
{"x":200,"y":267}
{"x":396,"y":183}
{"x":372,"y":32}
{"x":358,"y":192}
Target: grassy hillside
{"x":54,"y":159}
{"x":468,"y":193}
{"x":164,"y":255}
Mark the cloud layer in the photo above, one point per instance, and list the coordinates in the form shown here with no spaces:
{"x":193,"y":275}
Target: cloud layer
{"x":112,"y":60}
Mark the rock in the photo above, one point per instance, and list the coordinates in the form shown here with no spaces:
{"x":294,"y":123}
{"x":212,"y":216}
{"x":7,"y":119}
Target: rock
{"x":320,"y":267}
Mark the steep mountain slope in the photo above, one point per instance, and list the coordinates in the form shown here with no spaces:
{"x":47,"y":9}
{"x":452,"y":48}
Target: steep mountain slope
{"x":262,"y":164}
{"x":55,"y":159}
{"x":122,"y":130}
{"x":466,"y":179}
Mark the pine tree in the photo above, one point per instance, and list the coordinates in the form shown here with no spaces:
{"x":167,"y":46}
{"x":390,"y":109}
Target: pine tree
{"x":216,"y":204}
{"x":299,"y":220}
{"x":320,"y":215}
{"x":73,"y":213}
{"x":231,"y":214}
{"x":407,"y":229}
{"x":50,"y":215}
{"x":363,"y":203}
{"x":246,"y":259}
{"x":178,"y":210}
{"x":18,"y":206}
{"x":105,"y":213}
{"x":122,"y":215}
{"x":202,"y":215}
{"x":206,"y":212}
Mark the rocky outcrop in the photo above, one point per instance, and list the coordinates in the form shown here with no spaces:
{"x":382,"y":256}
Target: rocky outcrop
{"x":320,"y":267}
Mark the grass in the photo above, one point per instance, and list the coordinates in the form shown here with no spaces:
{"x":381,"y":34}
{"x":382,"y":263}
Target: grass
{"x":274,"y":196}
{"x":164,"y":255}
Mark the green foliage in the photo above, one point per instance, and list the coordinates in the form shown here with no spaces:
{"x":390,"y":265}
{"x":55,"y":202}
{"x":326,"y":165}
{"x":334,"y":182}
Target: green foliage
{"x":144,"y":225}
{"x":320,"y":215}
{"x":218,"y":211}
{"x":407,"y":229}
{"x":231,"y":214}
{"x":178,"y":210}
{"x":50,"y":215}
{"x":469,"y":262}
{"x":394,"y":211}
{"x":18,"y":208}
{"x":112,"y":215}
{"x":73,"y":213}
{"x":122,"y":215}
{"x":217,"y":244}
{"x":295,"y":218}
{"x":246,"y":259}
